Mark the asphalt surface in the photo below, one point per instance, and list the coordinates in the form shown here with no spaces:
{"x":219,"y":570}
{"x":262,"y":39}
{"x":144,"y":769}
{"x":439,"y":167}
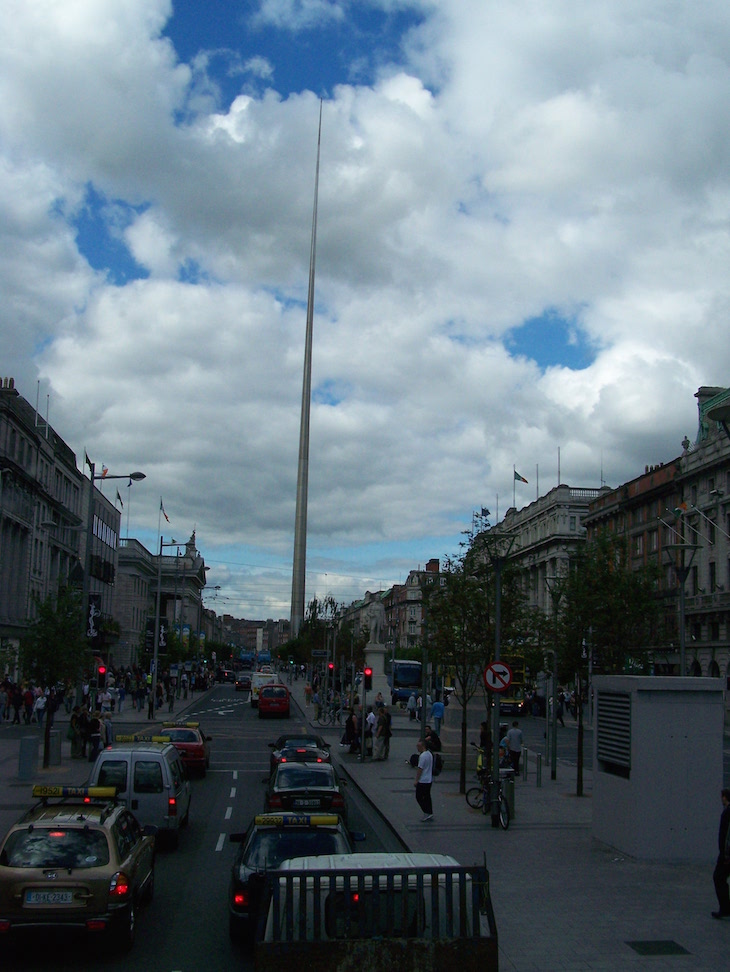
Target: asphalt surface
{"x":562,"y":900}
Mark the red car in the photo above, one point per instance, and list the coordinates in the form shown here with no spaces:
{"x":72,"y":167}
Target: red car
{"x":191,"y":742}
{"x":274,"y":700}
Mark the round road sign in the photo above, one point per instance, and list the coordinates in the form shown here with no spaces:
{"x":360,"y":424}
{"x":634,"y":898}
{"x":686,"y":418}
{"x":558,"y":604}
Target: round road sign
{"x":497,"y":676}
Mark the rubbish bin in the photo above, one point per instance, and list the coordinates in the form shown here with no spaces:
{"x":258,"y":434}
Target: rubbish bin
{"x":54,"y":748}
{"x":28,"y":758}
{"x":507,"y":776}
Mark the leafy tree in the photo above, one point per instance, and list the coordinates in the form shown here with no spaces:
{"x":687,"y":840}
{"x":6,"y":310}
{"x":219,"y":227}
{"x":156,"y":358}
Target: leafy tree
{"x":611,"y":607}
{"x":55,"y":648}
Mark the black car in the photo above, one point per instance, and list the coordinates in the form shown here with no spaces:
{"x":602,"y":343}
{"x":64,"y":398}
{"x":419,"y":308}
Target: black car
{"x":243,"y":681}
{"x":306,"y":788}
{"x":271,"y":839}
{"x":299,"y":748}
{"x":225,"y":675}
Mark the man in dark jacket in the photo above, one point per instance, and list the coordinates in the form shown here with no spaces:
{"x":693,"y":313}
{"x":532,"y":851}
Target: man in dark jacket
{"x":722,"y":868}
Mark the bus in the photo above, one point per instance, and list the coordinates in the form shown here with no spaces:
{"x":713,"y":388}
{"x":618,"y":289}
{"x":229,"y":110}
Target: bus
{"x":511,"y":702}
{"x":404,"y":678}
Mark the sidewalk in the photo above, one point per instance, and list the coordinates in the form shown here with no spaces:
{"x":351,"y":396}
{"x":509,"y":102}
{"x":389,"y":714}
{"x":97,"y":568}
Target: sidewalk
{"x":562,"y":901}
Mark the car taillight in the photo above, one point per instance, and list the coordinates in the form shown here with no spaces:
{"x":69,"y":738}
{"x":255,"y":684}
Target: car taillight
{"x":241,"y":899}
{"x":338,"y":800}
{"x":275,"y":800}
{"x":4,"y":926}
{"x":172,"y":807}
{"x":119,"y":886}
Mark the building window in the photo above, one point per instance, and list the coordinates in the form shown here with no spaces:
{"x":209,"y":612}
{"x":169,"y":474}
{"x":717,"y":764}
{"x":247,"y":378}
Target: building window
{"x":639,"y":544}
{"x":713,"y":577}
{"x":711,"y":528}
{"x":572,"y":523}
{"x":714,"y":631}
{"x":653,"y":541}
{"x":695,"y":581}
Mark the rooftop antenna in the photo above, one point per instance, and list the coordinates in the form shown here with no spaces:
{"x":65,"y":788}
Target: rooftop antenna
{"x":299,"y":568}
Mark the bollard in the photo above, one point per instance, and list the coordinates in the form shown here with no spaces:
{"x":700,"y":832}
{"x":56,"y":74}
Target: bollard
{"x":54,"y":748}
{"x":28,"y":758}
{"x":538,"y":769}
{"x":525,"y":761}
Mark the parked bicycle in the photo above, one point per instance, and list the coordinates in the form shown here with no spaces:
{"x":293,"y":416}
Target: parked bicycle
{"x":480,"y":797}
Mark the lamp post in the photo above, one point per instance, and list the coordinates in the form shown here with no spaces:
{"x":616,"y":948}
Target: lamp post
{"x":86,"y":589}
{"x":682,"y":569}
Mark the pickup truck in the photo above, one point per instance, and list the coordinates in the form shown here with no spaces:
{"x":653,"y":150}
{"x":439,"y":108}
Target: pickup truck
{"x":369,"y":912}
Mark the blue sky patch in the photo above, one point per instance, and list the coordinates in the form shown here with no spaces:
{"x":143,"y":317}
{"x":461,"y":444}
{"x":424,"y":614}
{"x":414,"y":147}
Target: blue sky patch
{"x":99,"y":225}
{"x":551,"y":340}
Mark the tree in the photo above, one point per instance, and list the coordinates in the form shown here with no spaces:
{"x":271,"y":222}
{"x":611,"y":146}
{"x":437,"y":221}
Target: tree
{"x":55,"y":648}
{"x":609,"y":607}
{"x":460,"y":632}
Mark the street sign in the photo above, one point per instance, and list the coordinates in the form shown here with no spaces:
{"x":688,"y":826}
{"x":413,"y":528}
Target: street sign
{"x":497,"y":676}
{"x":318,"y":653}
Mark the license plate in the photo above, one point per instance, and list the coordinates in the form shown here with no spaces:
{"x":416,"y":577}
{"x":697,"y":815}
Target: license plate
{"x":48,"y":897}
{"x":305,"y":803}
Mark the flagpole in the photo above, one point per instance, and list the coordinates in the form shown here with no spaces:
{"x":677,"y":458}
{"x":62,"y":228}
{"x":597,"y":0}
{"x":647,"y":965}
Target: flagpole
{"x":537,"y":481}
{"x":514,"y":487}
{"x":129,"y":496}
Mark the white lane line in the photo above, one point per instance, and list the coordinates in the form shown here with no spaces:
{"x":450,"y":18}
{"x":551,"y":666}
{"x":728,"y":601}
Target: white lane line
{"x":221,"y":842}
{"x":235,"y":774}
{"x":229,"y":812}
{"x":233,"y":793}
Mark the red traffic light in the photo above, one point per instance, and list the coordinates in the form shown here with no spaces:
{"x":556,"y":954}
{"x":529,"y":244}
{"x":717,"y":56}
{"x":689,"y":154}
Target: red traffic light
{"x":367,"y":676}
{"x":102,"y":669}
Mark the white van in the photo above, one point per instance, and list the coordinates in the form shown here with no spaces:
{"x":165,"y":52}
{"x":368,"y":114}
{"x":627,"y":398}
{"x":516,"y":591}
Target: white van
{"x":151,"y":780}
{"x":258,"y":680}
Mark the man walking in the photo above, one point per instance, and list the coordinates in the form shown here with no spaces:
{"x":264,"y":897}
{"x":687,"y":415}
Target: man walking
{"x":514,"y":744}
{"x":424,"y":779}
{"x":721,"y":873}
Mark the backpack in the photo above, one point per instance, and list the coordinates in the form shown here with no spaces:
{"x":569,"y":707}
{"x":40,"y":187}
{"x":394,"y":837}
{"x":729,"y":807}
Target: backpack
{"x":438,"y":764}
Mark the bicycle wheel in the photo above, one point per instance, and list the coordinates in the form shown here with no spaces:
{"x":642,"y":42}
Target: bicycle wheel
{"x":504,"y":813}
{"x":324,"y":718}
{"x":486,"y":800}
{"x":475,"y":797}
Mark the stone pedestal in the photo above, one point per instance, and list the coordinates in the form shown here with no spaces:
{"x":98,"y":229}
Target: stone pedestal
{"x":375,"y":659}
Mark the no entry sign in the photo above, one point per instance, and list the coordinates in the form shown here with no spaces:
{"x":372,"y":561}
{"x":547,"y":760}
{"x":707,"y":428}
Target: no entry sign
{"x":497,"y":676}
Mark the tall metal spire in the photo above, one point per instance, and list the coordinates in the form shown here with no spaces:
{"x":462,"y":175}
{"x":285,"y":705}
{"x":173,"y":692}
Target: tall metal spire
{"x":299,"y":570}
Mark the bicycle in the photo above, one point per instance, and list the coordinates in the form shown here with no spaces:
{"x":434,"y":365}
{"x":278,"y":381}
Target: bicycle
{"x":480,"y":798}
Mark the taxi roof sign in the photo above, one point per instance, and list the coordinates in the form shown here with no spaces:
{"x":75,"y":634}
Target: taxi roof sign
{"x":139,"y":737}
{"x":181,"y":725}
{"x":42,"y":792}
{"x":296,"y":820}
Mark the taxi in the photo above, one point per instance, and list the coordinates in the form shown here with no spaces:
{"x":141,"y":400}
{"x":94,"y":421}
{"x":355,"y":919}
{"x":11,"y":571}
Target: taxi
{"x":76,"y":859}
{"x":271,"y":839}
{"x":187,"y":738}
{"x":192,"y":744}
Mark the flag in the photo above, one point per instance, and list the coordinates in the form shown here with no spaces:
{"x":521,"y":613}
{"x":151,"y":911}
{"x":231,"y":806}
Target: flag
{"x":86,"y":458}
{"x":518,"y":478}
{"x":485,"y":511}
{"x":679,"y":510}
{"x":104,"y":470}
{"x":162,"y":510}
{"x":120,"y":500}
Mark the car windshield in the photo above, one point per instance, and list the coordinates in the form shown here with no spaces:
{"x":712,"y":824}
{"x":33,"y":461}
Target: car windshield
{"x":270,"y":847}
{"x":299,"y":743}
{"x":56,"y":847}
{"x":293,"y":777}
{"x":182,"y":735}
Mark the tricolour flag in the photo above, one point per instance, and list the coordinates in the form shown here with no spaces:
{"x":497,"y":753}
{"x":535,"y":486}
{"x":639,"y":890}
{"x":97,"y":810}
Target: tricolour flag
{"x":162,"y":510}
{"x":520,"y":479}
{"x":104,"y":470}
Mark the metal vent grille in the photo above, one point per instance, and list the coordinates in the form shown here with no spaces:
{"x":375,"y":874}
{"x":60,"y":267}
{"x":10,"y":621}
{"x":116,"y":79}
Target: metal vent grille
{"x":613,"y":732}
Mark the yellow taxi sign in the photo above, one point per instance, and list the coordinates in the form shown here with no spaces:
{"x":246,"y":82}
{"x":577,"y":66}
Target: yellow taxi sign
{"x":296,"y":820}
{"x":140,"y":737}
{"x":181,"y":725}
{"x":41,"y":791}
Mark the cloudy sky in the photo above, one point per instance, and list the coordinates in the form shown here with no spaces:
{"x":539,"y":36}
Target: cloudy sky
{"x":523,"y":251}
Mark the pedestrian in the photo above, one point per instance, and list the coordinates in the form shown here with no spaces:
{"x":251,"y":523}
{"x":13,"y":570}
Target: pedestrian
{"x":424,"y":779}
{"x":380,"y":730}
{"x":17,"y":702}
{"x":94,"y":735}
{"x":721,"y":874}
{"x":184,"y":684}
{"x":433,"y":740}
{"x":370,"y":724}
{"x":3,"y":702}
{"x":315,"y":703}
{"x":437,"y":714}
{"x":411,"y":705}
{"x":514,"y":746}
{"x":561,"y":710}
{"x":388,"y":731}
{"x":74,"y":733}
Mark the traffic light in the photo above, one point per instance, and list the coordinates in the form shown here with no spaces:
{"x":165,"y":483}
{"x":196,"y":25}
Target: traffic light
{"x":331,"y":668}
{"x":367,"y":679}
{"x":101,"y":676}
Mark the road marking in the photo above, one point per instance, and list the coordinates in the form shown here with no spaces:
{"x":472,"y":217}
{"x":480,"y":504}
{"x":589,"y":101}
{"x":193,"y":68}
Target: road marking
{"x":233,"y":793}
{"x":229,"y":812}
{"x":221,"y":842}
{"x":235,"y":774}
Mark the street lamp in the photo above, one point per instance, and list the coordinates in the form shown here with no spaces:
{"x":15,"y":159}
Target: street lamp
{"x":682,"y":569}
{"x":86,"y":589}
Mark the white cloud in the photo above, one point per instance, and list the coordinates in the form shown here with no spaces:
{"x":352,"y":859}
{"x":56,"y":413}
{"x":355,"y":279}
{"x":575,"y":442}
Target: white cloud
{"x":527,"y":157}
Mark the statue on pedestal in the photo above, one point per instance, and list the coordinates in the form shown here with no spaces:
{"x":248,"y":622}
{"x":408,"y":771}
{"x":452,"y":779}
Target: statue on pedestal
{"x":376,"y":618}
